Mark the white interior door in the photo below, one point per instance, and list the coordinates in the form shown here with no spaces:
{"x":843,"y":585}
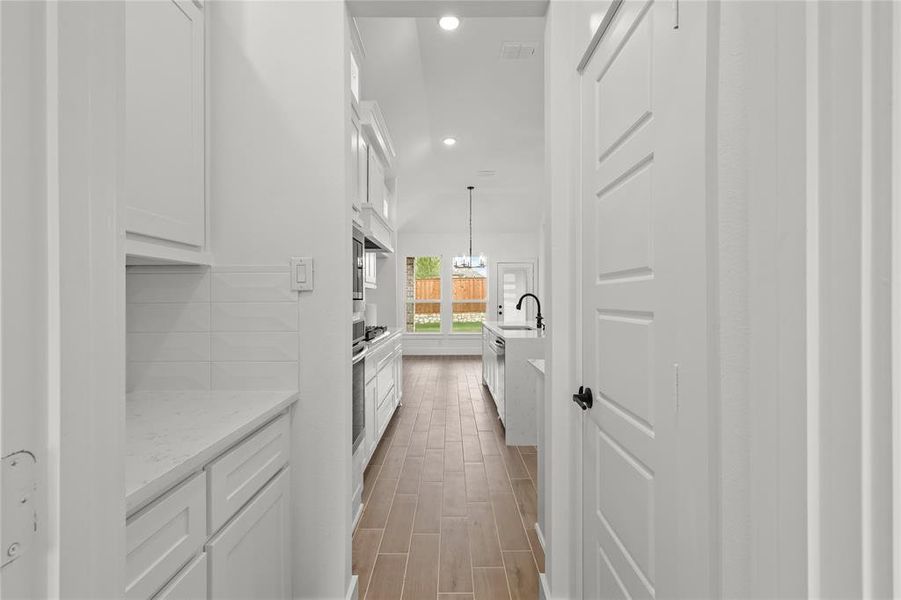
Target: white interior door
{"x":644,"y":480}
{"x":513,"y":280}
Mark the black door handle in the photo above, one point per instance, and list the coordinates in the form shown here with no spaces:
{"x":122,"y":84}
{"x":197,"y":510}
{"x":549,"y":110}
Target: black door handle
{"x":583,"y":398}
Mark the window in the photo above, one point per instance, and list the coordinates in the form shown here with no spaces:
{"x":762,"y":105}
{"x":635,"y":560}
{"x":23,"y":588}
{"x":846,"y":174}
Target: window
{"x":470,"y":299}
{"x":423,"y":294}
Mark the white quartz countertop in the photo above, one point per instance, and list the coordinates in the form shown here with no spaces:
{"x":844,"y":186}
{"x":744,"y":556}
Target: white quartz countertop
{"x":514,"y":334}
{"x":538,"y":363}
{"x":392,"y":333}
{"x":169,"y":435}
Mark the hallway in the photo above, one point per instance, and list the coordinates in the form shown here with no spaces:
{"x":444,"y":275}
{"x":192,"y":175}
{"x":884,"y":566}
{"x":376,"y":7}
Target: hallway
{"x":449,"y":507}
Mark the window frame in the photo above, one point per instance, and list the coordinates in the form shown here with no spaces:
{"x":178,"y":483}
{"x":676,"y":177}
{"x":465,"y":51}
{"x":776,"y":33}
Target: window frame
{"x":484,"y":300}
{"x":414,"y":302}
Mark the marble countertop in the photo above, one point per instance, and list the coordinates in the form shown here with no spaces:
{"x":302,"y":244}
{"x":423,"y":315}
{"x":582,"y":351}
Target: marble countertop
{"x":514,"y":334}
{"x":538,"y":363}
{"x":391,"y":333}
{"x":169,"y":435}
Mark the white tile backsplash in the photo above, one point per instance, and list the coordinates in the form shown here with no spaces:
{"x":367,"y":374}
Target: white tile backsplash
{"x":231,"y":286}
{"x":254,"y":346}
{"x":168,"y":284}
{"x":161,"y":318}
{"x":195,"y":328}
{"x":254,"y":316}
{"x":181,"y":376}
{"x":259,"y":376}
{"x":168,"y":347}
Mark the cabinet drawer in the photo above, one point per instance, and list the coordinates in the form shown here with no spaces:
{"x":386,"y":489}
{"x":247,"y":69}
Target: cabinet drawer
{"x":386,"y":382}
{"x":384,"y":414}
{"x":190,"y":584}
{"x":251,"y":556}
{"x":161,"y":538}
{"x":239,"y":474}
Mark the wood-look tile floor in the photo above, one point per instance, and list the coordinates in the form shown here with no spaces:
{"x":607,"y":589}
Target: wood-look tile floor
{"x":449,"y":507}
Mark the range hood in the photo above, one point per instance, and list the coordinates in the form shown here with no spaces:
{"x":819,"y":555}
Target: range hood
{"x":379,"y":235}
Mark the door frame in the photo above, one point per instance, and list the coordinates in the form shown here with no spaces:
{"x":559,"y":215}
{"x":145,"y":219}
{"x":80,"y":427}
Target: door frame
{"x":497,"y":279}
{"x":80,"y":447}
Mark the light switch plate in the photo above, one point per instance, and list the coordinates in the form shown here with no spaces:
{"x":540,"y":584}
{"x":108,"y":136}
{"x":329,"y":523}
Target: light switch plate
{"x":302,"y":273}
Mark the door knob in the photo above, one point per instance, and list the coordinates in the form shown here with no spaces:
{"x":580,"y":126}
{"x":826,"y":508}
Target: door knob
{"x":583,"y":398}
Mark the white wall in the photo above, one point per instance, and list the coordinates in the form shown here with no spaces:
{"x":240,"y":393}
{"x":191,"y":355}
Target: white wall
{"x":279,"y":187}
{"x":495,"y":247}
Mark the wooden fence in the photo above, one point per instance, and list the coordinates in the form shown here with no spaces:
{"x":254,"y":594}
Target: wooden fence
{"x":468,"y":288}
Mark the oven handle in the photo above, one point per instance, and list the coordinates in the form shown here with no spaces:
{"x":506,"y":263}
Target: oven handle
{"x":361,"y":355}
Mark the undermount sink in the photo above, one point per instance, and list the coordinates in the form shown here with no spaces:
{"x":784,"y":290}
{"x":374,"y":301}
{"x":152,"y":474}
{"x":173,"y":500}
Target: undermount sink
{"x":517,"y":327}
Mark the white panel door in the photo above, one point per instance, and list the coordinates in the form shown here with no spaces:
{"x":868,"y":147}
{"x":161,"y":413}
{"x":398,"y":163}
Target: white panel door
{"x":513,"y":280}
{"x":645,"y":511}
{"x":164,"y":114}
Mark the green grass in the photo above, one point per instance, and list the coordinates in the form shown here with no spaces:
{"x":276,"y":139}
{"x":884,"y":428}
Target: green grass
{"x":467,"y":327}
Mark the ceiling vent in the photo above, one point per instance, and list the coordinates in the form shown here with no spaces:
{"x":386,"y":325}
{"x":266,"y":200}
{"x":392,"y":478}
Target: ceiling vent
{"x":518,"y":50}
{"x":487,"y":173}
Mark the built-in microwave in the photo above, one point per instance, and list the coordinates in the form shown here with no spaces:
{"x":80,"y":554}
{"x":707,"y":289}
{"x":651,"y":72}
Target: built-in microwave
{"x":359,"y":245}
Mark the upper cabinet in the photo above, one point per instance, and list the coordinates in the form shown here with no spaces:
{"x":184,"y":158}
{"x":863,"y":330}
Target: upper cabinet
{"x":377,"y":205}
{"x":165,"y":209}
{"x":359,"y":151}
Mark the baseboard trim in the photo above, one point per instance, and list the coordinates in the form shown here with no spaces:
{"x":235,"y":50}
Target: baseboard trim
{"x":540,"y":535}
{"x":353,"y":592}
{"x":544,"y":592}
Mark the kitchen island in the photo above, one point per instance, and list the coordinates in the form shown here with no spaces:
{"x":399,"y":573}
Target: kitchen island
{"x":506,"y":350}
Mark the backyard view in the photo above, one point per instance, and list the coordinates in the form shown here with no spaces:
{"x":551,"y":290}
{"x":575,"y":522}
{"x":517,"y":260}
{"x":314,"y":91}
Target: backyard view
{"x":469,"y":300}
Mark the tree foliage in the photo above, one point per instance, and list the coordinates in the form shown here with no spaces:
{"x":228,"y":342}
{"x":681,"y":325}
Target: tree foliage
{"x":428,"y":267}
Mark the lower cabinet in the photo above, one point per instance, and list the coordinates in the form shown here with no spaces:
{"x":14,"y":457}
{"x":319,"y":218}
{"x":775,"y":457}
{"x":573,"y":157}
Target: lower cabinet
{"x":189,"y":584}
{"x":384,"y":372}
{"x":224,"y":533}
{"x":250,"y":557}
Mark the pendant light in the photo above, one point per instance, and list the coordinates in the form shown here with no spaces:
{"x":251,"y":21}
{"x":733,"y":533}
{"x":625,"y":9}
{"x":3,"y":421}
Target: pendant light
{"x":467,"y":260}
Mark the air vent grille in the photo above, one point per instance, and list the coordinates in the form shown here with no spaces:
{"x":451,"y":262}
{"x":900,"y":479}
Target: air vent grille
{"x":518,"y":50}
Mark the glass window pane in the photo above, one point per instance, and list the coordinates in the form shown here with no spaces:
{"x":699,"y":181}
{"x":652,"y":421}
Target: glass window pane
{"x":427,"y":275}
{"x":427,"y":317}
{"x":468,"y":316}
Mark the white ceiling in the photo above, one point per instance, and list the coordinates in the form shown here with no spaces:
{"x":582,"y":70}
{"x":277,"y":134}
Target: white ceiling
{"x":432,"y":84}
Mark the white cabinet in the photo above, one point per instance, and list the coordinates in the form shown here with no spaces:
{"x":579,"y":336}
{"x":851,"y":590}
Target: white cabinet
{"x":505,"y":371}
{"x":359,"y":157}
{"x":163,"y":182}
{"x":189,"y":584}
{"x":370,"y":277}
{"x":251,"y":556}
{"x":376,"y":195}
{"x":384,"y":372}
{"x":238,"y":474}
{"x":372,"y":434}
{"x":164,"y":536}
{"x":222,"y":533}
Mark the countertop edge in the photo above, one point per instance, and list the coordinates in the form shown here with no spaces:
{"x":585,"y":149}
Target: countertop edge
{"x":494,"y":328}
{"x":144,"y":495}
{"x":385,"y":337}
{"x":537,"y":364}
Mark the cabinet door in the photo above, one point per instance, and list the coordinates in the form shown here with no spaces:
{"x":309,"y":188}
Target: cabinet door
{"x":357,"y":160}
{"x":372,"y":429}
{"x":369,"y":272}
{"x":164,"y":121}
{"x":376,"y":181}
{"x":399,"y":375}
{"x":190,"y":584}
{"x":251,"y":556}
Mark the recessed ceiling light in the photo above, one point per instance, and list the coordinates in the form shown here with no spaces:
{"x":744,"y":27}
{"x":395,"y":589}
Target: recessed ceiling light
{"x":448,"y":23}
{"x":449,"y":141}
